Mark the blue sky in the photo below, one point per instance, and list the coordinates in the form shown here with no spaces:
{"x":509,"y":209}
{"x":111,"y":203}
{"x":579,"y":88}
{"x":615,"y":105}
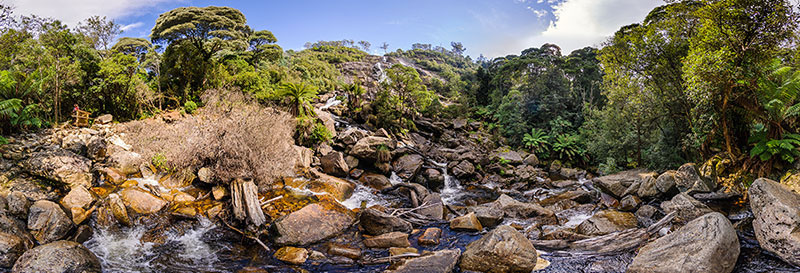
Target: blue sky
{"x":490,"y":27}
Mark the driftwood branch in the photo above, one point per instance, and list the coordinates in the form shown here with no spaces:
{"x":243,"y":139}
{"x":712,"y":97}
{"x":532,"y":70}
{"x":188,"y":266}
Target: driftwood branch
{"x":245,"y":234}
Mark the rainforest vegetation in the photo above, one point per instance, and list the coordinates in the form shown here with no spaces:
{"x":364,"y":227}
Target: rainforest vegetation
{"x":696,"y":80}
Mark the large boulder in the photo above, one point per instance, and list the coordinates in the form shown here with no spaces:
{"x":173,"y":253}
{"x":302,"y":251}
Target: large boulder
{"x":351,"y":135}
{"x":706,"y":244}
{"x":58,"y":257}
{"x":375,"y":181}
{"x":408,"y":166}
{"x":126,"y":161}
{"x":141,"y":201}
{"x":327,"y":120}
{"x":666,"y":183}
{"x":463,"y":169}
{"x":48,"y":222}
{"x":516,"y":209}
{"x":434,"y":177}
{"x":387,"y":240}
{"x":777,"y":219}
{"x":367,"y":148}
{"x":61,"y":166}
{"x":442,"y":261}
{"x":432,"y":206}
{"x":375,"y":222}
{"x":607,"y":221}
{"x":685,"y":207}
{"x":327,"y":218}
{"x":688,"y":179}
{"x":11,"y":247}
{"x":503,"y":249}
{"x":512,"y":157}
{"x":616,"y":184}
{"x":333,"y":163}
{"x":338,"y":188}
{"x":77,"y":201}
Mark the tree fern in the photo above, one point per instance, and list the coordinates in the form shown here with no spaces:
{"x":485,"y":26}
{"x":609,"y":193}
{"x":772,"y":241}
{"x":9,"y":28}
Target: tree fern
{"x":299,"y":96}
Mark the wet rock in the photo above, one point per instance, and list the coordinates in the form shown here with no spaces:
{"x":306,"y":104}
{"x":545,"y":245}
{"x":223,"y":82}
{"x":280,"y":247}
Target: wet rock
{"x":516,"y":209}
{"x":394,"y":251}
{"x":382,"y":133}
{"x":292,"y":255}
{"x":459,"y":123}
{"x":629,"y":203}
{"x":666,"y":183}
{"x":375,"y":222}
{"x":344,"y":251}
{"x":18,"y":204}
{"x":488,"y":215}
{"x":351,"y":136}
{"x":48,"y":222}
{"x":645,"y":215}
{"x":777,"y":219}
{"x":317,"y":256}
{"x":112,"y":175}
{"x":352,"y":163}
{"x":706,"y":244}
{"x":104,"y":119}
{"x":607,"y":221}
{"x":531,"y":160}
{"x":688,"y":179}
{"x":82,"y":234}
{"x":61,"y":166}
{"x":367,"y":148}
{"x":328,"y":219}
{"x":430,"y":237}
{"x":117,"y":209}
{"x":435,"y":178}
{"x":11,"y":247}
{"x":78,"y":197}
{"x":375,"y":181}
{"x":466,"y":222}
{"x":356,"y":173}
{"x":432,"y":206}
{"x":58,"y":257}
{"x":125,"y":161}
{"x":512,"y":157}
{"x":442,"y":261}
{"x":571,"y":173}
{"x":685,"y":207}
{"x":141,"y":201}
{"x":408,"y":166}
{"x":503,"y":249}
{"x":338,"y":188}
{"x":16,"y":227}
{"x":463,"y":169}
{"x":387,"y":240}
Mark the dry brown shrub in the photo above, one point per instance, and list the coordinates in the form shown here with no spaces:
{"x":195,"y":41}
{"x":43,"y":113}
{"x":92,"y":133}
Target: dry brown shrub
{"x":232,"y":135}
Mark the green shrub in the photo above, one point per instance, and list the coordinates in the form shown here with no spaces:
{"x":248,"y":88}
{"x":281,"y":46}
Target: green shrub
{"x":320,"y":134}
{"x":190,"y":107}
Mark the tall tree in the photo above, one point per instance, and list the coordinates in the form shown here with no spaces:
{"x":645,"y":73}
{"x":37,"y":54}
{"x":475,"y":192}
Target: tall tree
{"x":262,"y":45}
{"x":207,"y":29}
{"x":458,"y":48}
{"x":99,"y":31}
{"x":364,"y":45}
{"x":385,"y":47}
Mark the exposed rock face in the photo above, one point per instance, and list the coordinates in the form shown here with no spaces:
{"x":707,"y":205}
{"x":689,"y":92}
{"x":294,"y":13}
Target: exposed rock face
{"x":442,"y":261}
{"x":706,"y":244}
{"x":689,"y":179}
{"x":327,"y":218}
{"x":333,"y":163}
{"x":78,"y":197}
{"x":387,"y":240}
{"x":607,"y":221}
{"x":303,"y":157}
{"x":11,"y":247}
{"x":375,"y":181}
{"x":338,"y":188}
{"x":58,"y":257}
{"x":685,"y":207}
{"x":488,"y":215}
{"x":408,"y":166}
{"x":292,"y":255}
{"x":327,"y":120}
{"x":366,"y":148}
{"x":48,"y":222}
{"x":61,"y":166}
{"x":96,"y":148}
{"x":141,"y":201}
{"x":513,"y":157}
{"x":777,"y":219}
{"x":647,"y":188}
{"x":503,"y":249}
{"x":463,"y":169}
{"x":125,"y":161}
{"x":466,"y":222}
{"x":432,"y":206}
{"x":376,"y":222}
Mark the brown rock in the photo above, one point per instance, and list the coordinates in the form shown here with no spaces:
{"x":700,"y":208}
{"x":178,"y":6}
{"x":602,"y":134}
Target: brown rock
{"x":344,"y":251}
{"x":386,"y":240}
{"x":292,"y":255}
{"x":503,"y":249}
{"x":430,"y":237}
{"x":327,"y":217}
{"x":394,"y":251}
{"x":466,"y":222}
{"x":141,"y":201}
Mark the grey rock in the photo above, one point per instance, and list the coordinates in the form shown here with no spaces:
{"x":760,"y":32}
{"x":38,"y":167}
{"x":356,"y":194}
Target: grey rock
{"x":58,"y":257}
{"x":11,"y":247}
{"x":48,"y":222}
{"x":503,"y":249}
{"x":408,"y":166}
{"x":463,"y":169}
{"x":333,"y":163}
{"x":706,"y":244}
{"x":442,"y":261}
{"x":375,"y":222}
{"x":685,"y":207}
{"x":777,"y":219}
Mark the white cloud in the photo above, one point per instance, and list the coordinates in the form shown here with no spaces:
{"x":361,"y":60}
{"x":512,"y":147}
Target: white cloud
{"x":539,"y":13}
{"x":580,"y":23}
{"x":73,"y":11}
{"x":131,"y":26}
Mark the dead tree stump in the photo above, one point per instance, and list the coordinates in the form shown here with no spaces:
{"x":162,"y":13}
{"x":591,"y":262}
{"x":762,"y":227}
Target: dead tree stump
{"x":244,"y":194}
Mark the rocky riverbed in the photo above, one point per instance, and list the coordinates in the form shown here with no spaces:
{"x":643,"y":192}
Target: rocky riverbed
{"x":443,"y":199}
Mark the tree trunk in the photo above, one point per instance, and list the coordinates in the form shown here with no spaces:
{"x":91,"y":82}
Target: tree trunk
{"x":244,"y":196}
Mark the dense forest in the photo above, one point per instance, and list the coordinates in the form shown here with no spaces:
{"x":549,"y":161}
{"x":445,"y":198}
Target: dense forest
{"x":695,"y":81}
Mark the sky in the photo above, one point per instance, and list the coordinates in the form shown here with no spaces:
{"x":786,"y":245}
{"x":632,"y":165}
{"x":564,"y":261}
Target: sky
{"x":493,"y":28}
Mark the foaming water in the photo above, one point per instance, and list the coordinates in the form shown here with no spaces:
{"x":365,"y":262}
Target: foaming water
{"x":452,"y":187}
{"x":361,"y":194}
{"x":122,"y":250}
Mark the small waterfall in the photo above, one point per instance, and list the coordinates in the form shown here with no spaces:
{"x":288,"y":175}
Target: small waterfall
{"x":394,"y":179}
{"x":380,"y":75}
{"x":330,"y":103}
{"x":363,"y":194}
{"x":452,"y":187}
{"x":122,"y":250}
